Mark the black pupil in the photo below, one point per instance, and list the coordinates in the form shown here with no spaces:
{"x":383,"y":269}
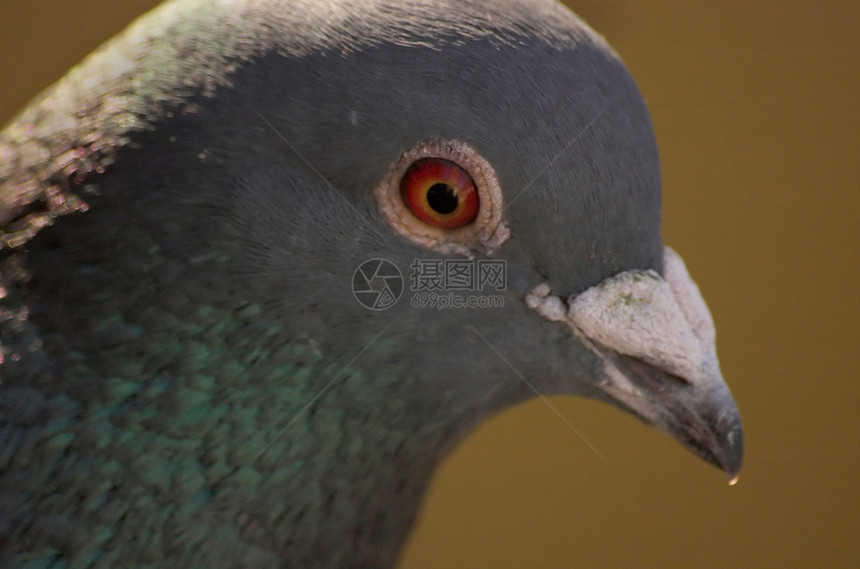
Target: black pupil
{"x":442,"y":198}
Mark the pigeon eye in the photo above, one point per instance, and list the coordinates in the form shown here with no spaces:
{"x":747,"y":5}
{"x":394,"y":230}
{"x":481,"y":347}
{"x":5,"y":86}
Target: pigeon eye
{"x":443,"y":195}
{"x":440,"y":193}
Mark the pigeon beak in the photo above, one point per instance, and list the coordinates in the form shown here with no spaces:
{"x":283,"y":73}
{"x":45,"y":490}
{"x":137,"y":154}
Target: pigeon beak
{"x":655,"y":337}
{"x":705,"y":421}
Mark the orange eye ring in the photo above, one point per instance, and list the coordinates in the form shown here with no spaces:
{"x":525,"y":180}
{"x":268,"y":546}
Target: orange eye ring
{"x":445,"y":196}
{"x":440,"y":193}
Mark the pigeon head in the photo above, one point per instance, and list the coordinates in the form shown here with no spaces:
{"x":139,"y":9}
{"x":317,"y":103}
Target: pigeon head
{"x":552,"y":136}
{"x":323,"y":241}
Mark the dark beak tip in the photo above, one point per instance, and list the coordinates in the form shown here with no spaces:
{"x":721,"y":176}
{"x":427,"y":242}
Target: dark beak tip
{"x":726,"y":450}
{"x":733,"y":453}
{"x":721,"y":444}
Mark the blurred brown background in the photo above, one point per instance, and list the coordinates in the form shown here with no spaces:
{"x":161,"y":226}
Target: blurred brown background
{"x":757,"y":111}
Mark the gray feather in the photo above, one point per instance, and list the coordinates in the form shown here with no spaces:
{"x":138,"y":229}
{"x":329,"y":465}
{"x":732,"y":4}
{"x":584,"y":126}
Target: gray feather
{"x":187,"y":380}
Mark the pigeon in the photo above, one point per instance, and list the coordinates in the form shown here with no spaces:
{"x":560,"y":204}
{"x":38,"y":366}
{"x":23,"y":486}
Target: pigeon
{"x":265,"y":262}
